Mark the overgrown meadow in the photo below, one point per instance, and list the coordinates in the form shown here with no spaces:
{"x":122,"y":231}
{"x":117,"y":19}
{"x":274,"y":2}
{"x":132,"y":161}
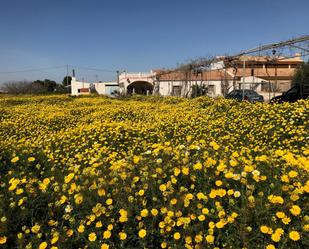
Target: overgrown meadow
{"x":94,"y":172}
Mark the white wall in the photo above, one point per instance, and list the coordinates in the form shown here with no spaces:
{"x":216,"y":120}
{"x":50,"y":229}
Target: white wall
{"x":75,"y":85}
{"x":125,"y":79}
{"x":166,"y":87}
{"x":100,"y":87}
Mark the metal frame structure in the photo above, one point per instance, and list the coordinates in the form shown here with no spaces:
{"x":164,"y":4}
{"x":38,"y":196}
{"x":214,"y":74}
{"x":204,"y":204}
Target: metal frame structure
{"x":289,"y":48}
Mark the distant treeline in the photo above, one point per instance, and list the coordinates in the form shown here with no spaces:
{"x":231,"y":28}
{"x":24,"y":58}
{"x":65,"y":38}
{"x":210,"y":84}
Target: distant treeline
{"x":38,"y":86}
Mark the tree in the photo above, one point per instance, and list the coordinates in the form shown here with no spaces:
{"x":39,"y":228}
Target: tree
{"x":67,"y":81}
{"x":23,"y":87}
{"x":49,"y":85}
{"x":198,"y":90}
{"x":301,"y":76}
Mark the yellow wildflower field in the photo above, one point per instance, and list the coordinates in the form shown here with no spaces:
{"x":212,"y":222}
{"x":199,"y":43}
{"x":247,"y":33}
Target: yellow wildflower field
{"x":151,"y":172}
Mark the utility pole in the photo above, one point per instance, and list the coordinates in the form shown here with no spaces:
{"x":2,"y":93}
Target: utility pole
{"x":117,"y":77}
{"x":67,"y":77}
{"x":276,"y":80}
{"x":244,"y":75}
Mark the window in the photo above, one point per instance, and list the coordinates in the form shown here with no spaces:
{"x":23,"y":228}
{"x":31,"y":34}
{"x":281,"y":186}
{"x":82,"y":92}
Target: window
{"x":211,"y":90}
{"x":176,"y":90}
{"x":294,"y":66}
{"x":265,"y":86}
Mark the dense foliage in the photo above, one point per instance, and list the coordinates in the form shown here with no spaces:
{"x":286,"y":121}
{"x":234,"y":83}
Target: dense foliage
{"x":301,"y":76}
{"x":150,"y":172}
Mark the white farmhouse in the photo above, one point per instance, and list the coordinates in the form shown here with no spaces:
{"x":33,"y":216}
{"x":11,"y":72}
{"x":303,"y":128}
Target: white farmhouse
{"x":82,"y":87}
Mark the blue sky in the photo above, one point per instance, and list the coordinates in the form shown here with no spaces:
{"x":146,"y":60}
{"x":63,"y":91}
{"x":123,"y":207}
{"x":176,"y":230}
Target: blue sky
{"x":135,"y":35}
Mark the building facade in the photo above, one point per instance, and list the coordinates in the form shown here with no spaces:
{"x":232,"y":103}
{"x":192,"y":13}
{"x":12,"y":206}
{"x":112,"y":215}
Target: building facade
{"x":267,"y":76}
{"x":84,"y":88}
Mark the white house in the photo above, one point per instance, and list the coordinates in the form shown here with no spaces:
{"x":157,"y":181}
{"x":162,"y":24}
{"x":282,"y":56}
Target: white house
{"x":175,"y":83}
{"x":82,"y":88}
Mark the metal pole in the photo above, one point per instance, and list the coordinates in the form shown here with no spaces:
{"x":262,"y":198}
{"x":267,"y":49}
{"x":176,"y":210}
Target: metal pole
{"x":276,"y":79}
{"x":244,"y":75}
{"x":269,"y":90}
{"x":67,"y":77}
{"x":117,"y":77}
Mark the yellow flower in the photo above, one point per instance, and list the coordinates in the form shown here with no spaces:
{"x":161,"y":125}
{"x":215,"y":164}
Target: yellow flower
{"x":210,"y":239}
{"x":219,"y":224}
{"x":294,"y":197}
{"x":19,"y":191}
{"x":92,"y":237}
{"x":101,"y":192}
{"x":136,"y":159}
{"x":230,"y":192}
{"x":177,"y":171}
{"x":177,"y":236}
{"x":142,"y":233}
{"x":81,"y":228}
{"x":293,"y":174}
{"x":141,"y":192}
{"x":46,"y":181}
{"x":123,"y":212}
{"x":201,"y":217}
{"x":295,"y":210}
{"x":68,"y":178}
{"x":237,"y":194}
{"x":3,"y":239}
{"x":276,"y":237}
{"x":286,"y":220}
{"x":78,"y":198}
{"x":198,"y":238}
{"x":218,"y":183}
{"x":162,"y":187}
{"x":107,"y":234}
{"x":200,"y":196}
{"x":163,"y":245}
{"x":123,"y":219}
{"x":275,"y":199}
{"x":154,"y":212}
{"x":233,"y":163}
{"x":279,"y":231}
{"x":205,"y":211}
{"x":69,"y":232}
{"x":188,"y":239}
{"x":280,"y":215}
{"x":270,"y":246}
{"x":285,"y":178}
{"x":15,"y":159}
{"x":264,"y":229}
{"x":197,"y":166}
{"x":54,"y":239}
{"x":144,"y":213}
{"x":122,"y":235}
{"x":43,"y":245}
{"x":35,"y":228}
{"x":294,"y":235}
{"x":214,"y":145}
{"x":31,"y":159}
{"x":104,"y":246}
{"x":109,"y":201}
{"x":185,"y":171}
{"x":173,"y":201}
{"x":98,"y":224}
